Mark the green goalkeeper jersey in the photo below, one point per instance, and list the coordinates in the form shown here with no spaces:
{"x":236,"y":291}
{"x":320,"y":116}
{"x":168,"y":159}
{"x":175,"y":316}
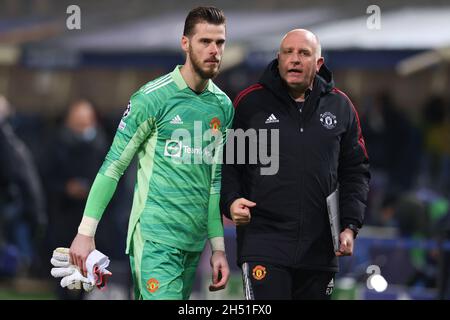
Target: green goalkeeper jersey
{"x":175,"y":133}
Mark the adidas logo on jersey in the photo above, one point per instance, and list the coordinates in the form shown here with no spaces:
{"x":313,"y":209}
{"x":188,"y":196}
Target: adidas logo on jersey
{"x":272,"y":119}
{"x":176,"y":120}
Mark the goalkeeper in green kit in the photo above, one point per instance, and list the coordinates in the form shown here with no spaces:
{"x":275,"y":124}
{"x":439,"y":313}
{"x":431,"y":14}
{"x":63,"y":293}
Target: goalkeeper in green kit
{"x":176,"y":125}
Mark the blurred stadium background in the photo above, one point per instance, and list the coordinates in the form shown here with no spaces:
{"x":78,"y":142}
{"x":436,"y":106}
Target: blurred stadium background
{"x":397,"y":76}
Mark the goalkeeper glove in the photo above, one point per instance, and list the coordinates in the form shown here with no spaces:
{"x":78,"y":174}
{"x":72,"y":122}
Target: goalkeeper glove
{"x":71,"y":275}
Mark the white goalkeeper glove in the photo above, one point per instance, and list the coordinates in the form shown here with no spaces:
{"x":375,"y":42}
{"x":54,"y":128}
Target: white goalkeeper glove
{"x":71,"y":275}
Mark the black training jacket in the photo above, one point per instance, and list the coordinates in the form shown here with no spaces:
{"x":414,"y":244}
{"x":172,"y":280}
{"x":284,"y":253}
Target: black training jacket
{"x":318,"y":148}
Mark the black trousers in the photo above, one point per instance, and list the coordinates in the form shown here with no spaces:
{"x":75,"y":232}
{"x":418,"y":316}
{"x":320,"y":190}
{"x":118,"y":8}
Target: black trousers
{"x":263,"y":281}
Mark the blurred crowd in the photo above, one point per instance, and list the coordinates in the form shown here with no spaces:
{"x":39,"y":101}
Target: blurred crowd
{"x":47,"y":167}
{"x":410,"y":191}
{"x":410,"y":187}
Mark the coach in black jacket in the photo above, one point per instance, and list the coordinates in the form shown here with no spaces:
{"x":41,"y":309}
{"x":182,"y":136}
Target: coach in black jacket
{"x":283,"y":234}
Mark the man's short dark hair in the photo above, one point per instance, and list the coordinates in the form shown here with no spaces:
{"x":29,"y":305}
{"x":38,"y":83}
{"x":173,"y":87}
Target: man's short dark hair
{"x":210,"y":15}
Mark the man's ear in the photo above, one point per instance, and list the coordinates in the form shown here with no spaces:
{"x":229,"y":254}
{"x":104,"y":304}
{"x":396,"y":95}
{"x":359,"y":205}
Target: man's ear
{"x":185,"y":43}
{"x":320,"y":62}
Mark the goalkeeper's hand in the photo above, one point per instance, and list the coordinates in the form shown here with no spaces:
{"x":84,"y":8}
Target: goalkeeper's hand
{"x":71,"y":275}
{"x":80,"y":249}
{"x":221,"y":271}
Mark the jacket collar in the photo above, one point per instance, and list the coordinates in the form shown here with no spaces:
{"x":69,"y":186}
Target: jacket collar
{"x":322,"y":84}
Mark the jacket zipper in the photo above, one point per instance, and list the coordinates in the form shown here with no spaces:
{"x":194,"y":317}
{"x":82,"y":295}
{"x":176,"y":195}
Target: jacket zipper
{"x":301,"y":120}
{"x":302,"y":216}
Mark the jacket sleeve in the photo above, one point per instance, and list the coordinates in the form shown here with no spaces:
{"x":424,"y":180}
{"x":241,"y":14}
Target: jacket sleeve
{"x":353,"y":173}
{"x":20,"y":171}
{"x":231,"y":188}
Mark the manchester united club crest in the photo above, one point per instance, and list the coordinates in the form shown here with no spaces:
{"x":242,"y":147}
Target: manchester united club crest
{"x":215,"y":124}
{"x":328,"y":120}
{"x":259,"y":272}
{"x":152,"y":285}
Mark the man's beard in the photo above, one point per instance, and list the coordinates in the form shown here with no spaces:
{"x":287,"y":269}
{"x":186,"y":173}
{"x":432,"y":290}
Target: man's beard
{"x":196,"y":65}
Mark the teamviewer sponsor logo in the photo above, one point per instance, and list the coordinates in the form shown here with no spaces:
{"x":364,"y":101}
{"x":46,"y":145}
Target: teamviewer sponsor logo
{"x":173,"y":148}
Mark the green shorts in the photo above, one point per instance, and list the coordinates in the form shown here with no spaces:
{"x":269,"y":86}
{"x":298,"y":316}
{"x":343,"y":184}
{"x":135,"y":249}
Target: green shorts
{"x":161,"y":272}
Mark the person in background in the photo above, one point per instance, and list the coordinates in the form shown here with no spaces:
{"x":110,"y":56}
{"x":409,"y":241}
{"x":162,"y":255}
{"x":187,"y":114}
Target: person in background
{"x":23,"y":216}
{"x":73,"y":159}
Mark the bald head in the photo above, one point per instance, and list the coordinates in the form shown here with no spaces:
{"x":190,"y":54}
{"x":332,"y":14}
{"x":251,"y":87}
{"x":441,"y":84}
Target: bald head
{"x":299,"y":59}
{"x":303,"y":36}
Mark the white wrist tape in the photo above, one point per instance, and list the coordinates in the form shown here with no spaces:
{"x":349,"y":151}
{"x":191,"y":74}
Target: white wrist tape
{"x":217,"y":244}
{"x":88,"y":226}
